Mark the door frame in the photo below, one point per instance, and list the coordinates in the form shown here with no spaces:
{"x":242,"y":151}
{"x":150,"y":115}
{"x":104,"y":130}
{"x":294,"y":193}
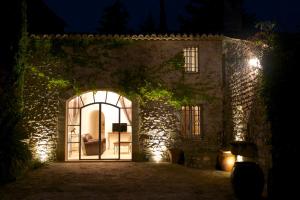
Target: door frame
{"x":100,"y":131}
{"x":79,"y":105}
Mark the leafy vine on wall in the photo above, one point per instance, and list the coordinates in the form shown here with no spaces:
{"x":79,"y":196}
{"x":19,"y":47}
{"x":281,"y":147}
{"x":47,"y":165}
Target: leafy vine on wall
{"x":134,"y":81}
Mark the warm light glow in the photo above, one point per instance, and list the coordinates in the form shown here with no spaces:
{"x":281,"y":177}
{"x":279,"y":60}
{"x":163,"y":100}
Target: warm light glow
{"x":239,"y":123}
{"x":42,"y":148}
{"x":157,"y":152}
{"x":239,"y":158}
{"x":84,"y":113}
{"x":254,"y":62}
{"x":41,"y":152}
{"x":43,"y":156}
{"x":228,"y":160}
{"x":157,"y":157}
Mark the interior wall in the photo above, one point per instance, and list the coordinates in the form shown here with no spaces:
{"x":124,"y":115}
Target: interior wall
{"x":90,"y":120}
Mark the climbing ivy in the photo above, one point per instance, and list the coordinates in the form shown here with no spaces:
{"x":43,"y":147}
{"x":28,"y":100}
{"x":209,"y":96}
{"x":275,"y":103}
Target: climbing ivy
{"x":58,"y":83}
{"x":176,"y":62}
{"x":134,"y":81}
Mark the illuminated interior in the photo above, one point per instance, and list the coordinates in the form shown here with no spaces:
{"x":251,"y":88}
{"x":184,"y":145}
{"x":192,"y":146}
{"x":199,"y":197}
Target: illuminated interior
{"x":99,"y":127}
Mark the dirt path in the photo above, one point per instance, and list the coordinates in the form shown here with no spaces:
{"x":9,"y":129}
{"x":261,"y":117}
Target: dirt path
{"x":119,"y":180}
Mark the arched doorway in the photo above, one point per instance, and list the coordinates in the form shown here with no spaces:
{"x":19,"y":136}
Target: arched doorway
{"x":98,"y":127}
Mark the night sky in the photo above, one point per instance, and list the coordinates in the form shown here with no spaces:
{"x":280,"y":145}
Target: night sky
{"x":83,"y":15}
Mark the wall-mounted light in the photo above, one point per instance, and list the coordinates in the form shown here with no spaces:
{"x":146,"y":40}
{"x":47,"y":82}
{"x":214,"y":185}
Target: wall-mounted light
{"x":254,"y":62}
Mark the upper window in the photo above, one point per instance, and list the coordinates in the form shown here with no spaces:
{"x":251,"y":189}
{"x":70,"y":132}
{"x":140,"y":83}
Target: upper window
{"x":190,"y":59}
{"x":191,"y":122}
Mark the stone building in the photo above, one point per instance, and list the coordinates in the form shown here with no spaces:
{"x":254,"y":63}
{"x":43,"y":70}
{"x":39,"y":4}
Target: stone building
{"x":152,"y":97}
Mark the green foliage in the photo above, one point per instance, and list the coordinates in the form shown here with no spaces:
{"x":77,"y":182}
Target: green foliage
{"x":155,"y":93}
{"x":132,"y":79}
{"x":139,"y":81}
{"x":52,"y":83}
{"x":19,"y":152}
{"x":147,"y":84}
{"x":14,"y":152}
{"x":176,"y":62}
{"x":42,"y":45}
{"x":41,"y":74}
{"x":158,"y":93}
{"x":58,"y":83}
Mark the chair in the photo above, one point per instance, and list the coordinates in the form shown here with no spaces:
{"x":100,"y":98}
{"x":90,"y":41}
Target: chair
{"x":91,"y":146}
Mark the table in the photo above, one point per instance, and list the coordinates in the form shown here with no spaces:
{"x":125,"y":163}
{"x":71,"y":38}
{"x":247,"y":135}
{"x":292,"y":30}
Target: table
{"x":114,"y":137}
{"x":116,"y":146}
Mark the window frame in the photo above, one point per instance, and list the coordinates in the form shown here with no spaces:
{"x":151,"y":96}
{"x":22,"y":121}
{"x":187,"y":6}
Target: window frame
{"x":188,"y":133}
{"x":191,"y":59}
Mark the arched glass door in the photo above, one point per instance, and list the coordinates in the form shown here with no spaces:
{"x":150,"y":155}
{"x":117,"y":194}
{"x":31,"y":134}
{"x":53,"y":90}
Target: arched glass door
{"x":99,"y":127}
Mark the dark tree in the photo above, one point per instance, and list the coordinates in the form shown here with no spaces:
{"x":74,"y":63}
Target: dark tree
{"x":114,"y":19}
{"x":249,"y":22}
{"x":148,"y":26}
{"x":162,"y":18}
{"x":42,"y":20}
{"x":15,"y":156}
{"x":237,"y":22}
{"x":217,"y":16}
{"x":14,"y":153}
{"x":203,"y":16}
{"x":281,"y":81}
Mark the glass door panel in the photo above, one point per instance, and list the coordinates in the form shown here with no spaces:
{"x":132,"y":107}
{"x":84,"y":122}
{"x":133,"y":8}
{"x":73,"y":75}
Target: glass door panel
{"x":109,"y":138}
{"x":95,"y":127}
{"x":73,"y":127}
{"x":89,"y":134}
{"x":73,"y":153}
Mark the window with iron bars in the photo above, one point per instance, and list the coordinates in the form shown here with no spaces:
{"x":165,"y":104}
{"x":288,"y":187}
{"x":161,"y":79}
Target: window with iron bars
{"x":191,"y":59}
{"x":191,"y":122}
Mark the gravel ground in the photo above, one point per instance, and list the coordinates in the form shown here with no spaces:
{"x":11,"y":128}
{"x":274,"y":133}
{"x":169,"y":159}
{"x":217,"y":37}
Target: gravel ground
{"x":119,"y":180}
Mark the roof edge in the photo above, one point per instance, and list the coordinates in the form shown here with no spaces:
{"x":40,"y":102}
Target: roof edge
{"x":174,"y":37}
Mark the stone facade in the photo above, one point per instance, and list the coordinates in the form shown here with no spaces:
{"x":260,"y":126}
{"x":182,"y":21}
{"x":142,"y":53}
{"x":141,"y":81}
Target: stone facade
{"x":41,"y":114}
{"x":160,"y":128}
{"x":60,"y":67}
{"x":247,"y":120}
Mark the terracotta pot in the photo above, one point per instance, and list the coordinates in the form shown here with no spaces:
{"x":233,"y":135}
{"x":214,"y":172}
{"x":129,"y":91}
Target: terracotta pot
{"x":247,"y":180}
{"x":226,"y":160}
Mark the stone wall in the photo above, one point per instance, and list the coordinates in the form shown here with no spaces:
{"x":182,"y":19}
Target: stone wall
{"x":41,"y":110}
{"x":106,"y":64}
{"x":248,"y":120}
{"x":159,"y":129}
